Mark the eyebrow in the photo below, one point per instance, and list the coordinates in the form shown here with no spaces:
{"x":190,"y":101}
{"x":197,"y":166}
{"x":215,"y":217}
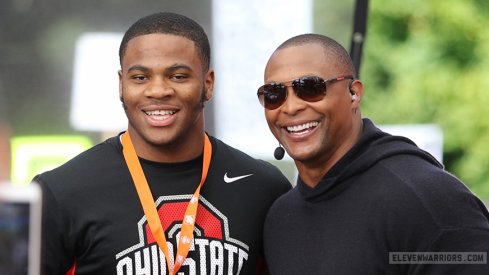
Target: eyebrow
{"x":138,"y":68}
{"x":170,"y":69}
{"x":177,"y":66}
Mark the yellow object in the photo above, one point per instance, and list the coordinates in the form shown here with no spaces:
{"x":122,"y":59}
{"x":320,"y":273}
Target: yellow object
{"x":32,"y":155}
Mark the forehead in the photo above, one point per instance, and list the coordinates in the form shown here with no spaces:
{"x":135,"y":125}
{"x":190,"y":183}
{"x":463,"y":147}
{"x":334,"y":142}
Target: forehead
{"x":152,"y":49}
{"x":295,"y":61}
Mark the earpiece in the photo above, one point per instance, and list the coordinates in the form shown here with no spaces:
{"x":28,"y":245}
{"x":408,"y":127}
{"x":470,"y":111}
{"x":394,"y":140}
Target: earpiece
{"x":353,"y":97}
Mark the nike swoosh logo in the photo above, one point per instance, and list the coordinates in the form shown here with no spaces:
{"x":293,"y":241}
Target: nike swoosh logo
{"x":232,"y":179}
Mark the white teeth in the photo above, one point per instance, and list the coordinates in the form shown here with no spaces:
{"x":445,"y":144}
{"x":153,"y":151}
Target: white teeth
{"x":302,"y":127}
{"x":159,"y":113}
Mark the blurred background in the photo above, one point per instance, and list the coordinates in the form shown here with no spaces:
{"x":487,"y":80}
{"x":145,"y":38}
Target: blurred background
{"x":425,"y":63}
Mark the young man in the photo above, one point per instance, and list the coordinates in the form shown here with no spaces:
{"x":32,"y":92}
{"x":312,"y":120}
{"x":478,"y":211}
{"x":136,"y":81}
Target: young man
{"x":133,"y":204}
{"x":362,"y":195}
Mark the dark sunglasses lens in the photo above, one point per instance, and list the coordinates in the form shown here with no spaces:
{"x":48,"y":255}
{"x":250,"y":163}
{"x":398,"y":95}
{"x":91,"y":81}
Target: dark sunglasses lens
{"x":311,"y":88}
{"x":272,"y":95}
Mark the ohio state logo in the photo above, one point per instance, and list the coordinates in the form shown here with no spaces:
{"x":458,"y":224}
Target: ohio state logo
{"x":212,"y":250}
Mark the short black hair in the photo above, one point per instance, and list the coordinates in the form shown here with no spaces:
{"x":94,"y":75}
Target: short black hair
{"x":330,"y":46}
{"x":170,"y":23}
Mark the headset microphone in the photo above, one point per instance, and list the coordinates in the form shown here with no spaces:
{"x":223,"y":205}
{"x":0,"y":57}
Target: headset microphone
{"x":279,"y":152}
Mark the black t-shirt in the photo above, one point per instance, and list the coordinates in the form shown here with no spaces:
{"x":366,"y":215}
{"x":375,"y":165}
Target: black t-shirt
{"x":93,"y":218}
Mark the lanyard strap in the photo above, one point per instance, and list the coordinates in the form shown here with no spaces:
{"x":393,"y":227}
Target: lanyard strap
{"x":149,"y":207}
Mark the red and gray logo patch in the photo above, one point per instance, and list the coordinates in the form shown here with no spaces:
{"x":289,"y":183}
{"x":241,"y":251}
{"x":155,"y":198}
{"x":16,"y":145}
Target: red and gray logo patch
{"x":213,"y":251}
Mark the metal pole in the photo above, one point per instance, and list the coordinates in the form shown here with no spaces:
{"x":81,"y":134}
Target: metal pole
{"x":359,"y":32}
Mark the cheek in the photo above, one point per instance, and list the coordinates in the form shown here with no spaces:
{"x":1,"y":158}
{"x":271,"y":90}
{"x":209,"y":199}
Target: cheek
{"x":270,"y":116}
{"x":126,"y":91}
{"x":132,"y":93}
{"x":191,"y":92}
{"x":329,"y":106}
{"x":127,"y":98}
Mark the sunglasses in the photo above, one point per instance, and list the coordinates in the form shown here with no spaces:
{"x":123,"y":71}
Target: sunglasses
{"x":307,"y":88}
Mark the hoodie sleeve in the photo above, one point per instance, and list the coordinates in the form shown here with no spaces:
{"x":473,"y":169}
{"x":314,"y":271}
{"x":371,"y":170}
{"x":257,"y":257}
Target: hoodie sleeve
{"x":441,"y":215}
{"x":467,"y":246}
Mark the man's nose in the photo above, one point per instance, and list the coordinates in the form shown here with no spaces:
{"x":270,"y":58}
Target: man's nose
{"x":292,"y":103}
{"x":159,"y":87}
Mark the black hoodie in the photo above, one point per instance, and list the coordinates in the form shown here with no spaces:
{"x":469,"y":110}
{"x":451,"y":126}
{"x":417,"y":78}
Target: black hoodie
{"x":385,"y":195}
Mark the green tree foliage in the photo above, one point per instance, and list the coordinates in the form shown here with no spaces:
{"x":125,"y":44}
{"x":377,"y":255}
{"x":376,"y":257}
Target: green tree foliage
{"x":335,"y":19}
{"x":427,"y":61}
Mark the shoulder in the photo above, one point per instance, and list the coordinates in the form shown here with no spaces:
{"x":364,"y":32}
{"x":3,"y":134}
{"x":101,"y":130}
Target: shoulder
{"x":285,"y":205}
{"x":410,"y":185}
{"x":227,"y":157}
{"x":285,"y":211}
{"x":262,"y":177}
{"x":90,"y":163}
{"x":426,"y":181}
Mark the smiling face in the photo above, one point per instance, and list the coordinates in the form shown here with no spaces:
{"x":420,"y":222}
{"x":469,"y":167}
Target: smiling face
{"x":315,"y":134}
{"x":162,"y":86}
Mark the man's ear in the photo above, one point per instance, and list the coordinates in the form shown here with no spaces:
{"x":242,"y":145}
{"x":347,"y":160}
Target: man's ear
{"x":120,"y":84}
{"x":356,"y":90}
{"x":209,"y":85}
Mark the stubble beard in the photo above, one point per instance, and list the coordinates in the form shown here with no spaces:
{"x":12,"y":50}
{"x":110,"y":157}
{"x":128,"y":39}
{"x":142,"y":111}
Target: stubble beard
{"x":198,"y":107}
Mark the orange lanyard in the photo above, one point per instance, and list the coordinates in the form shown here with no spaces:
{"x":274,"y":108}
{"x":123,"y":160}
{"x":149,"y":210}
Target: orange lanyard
{"x":149,"y":207}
